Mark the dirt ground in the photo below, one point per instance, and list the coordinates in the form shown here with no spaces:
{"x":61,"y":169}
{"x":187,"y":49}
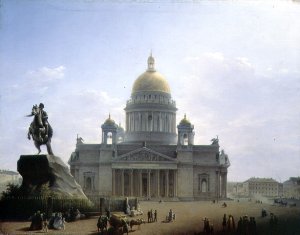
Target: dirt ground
{"x":189,"y":219}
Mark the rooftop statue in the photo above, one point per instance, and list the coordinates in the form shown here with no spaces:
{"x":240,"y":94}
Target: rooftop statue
{"x":215,"y":141}
{"x":40,"y":130}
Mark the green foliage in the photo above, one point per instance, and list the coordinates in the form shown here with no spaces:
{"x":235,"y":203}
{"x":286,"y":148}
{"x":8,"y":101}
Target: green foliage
{"x":12,"y":190}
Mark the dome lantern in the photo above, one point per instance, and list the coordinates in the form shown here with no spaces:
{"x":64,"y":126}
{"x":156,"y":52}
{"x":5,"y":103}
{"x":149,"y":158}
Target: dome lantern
{"x":151,"y":63}
{"x":151,"y":80}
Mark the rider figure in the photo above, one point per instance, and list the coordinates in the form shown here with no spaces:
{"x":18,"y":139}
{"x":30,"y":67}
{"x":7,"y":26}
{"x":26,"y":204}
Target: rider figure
{"x":44,"y":119}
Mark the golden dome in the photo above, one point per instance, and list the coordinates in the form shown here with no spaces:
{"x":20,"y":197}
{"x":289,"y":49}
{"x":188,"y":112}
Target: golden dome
{"x":151,"y":80}
{"x":185,"y":121}
{"x":109,"y":121}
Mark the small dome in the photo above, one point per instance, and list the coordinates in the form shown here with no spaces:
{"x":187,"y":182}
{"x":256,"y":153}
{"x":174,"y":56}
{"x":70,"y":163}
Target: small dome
{"x":151,"y":80}
{"x":109,"y":121}
{"x":185,"y":121}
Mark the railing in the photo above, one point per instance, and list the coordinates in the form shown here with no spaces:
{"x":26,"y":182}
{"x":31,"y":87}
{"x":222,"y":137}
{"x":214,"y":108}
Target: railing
{"x":20,"y":208}
{"x":23,"y":208}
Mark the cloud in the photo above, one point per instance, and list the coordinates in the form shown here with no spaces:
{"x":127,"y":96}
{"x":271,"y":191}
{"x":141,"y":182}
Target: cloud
{"x":46,"y":74}
{"x":252,"y":113}
{"x":246,"y":120}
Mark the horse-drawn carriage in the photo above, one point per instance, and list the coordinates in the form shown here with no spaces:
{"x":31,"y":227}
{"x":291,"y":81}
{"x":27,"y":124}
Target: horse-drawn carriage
{"x":119,"y":222}
{"x":137,"y":222}
{"x":102,"y":223}
{"x":135,"y":212}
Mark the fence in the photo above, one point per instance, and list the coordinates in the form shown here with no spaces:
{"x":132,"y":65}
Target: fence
{"x":102,"y":204}
{"x":22,"y":208}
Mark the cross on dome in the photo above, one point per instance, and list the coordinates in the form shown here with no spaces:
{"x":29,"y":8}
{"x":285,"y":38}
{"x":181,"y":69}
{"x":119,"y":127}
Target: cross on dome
{"x":151,"y":63}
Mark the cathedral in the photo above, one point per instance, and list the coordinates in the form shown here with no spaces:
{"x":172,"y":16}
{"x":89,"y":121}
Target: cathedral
{"x":153,"y":158}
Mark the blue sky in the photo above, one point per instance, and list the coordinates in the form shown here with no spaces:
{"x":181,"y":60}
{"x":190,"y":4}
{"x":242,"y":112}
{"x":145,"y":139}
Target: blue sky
{"x":233,"y":68}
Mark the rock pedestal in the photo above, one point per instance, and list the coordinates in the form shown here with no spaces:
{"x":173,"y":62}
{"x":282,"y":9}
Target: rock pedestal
{"x":40,"y":169}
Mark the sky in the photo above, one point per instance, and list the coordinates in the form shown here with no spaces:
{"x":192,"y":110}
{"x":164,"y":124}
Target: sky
{"x":233,"y":68}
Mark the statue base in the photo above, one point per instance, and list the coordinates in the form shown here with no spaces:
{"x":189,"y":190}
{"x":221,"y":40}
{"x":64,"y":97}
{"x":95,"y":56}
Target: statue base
{"x":37,"y":170}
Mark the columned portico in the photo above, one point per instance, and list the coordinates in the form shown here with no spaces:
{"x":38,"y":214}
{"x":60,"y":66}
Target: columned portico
{"x":146,"y":183}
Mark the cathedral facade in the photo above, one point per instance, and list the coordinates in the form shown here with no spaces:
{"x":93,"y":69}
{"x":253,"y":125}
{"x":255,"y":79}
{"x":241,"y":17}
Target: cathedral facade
{"x":152,"y":158}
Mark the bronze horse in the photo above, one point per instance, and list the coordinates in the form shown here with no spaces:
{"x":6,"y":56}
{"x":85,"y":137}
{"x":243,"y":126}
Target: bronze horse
{"x":40,"y":131}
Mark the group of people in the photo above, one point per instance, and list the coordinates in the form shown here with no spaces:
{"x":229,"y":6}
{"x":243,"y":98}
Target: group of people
{"x":39,"y":221}
{"x":152,"y":216}
{"x":273,"y":222}
{"x":245,"y":225}
{"x":73,"y":214}
{"x":208,"y":227}
{"x":57,"y":221}
{"x":171,"y":216}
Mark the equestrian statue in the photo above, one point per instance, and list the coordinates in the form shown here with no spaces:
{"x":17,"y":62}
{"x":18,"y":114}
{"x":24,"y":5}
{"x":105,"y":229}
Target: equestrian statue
{"x":40,"y":130}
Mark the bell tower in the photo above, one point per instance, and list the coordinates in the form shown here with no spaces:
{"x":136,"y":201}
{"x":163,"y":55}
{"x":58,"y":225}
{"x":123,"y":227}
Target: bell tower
{"x":109,"y":132}
{"x":185,"y":132}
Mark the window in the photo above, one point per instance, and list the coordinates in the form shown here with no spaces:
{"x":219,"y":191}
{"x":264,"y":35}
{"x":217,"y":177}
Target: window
{"x":88,"y":183}
{"x":203,"y":183}
{"x":109,"y":138}
{"x":185,"y":139}
{"x":203,"y":186}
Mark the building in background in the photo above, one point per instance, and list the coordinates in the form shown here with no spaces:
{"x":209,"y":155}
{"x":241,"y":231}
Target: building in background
{"x":266,"y":187}
{"x":152,"y":157}
{"x":235,"y":190}
{"x":291,"y":188}
{"x":9,"y":177}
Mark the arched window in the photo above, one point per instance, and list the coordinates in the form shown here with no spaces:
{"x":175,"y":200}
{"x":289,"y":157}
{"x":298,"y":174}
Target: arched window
{"x":203,"y":186}
{"x":185,"y":139}
{"x":109,"y":138}
{"x":88,"y":183}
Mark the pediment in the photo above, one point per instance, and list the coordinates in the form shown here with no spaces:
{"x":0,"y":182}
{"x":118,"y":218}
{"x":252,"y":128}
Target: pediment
{"x":144,"y":155}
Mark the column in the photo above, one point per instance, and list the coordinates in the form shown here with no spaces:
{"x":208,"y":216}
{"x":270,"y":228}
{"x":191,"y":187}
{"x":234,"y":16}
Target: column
{"x":158,"y":184}
{"x":167,"y":183}
{"x":131,"y":182}
{"x":174,"y":183}
{"x":217,"y":184}
{"x":225,"y":176}
{"x":132,"y":121}
{"x":113,"y":182}
{"x":224,"y":184}
{"x":149,"y":184}
{"x":140,"y":122}
{"x":160,"y":122}
{"x":220,"y":184}
{"x":140,"y":183}
{"x":122,"y":182}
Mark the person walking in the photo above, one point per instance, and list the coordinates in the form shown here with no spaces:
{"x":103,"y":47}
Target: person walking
{"x":155,"y":216}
